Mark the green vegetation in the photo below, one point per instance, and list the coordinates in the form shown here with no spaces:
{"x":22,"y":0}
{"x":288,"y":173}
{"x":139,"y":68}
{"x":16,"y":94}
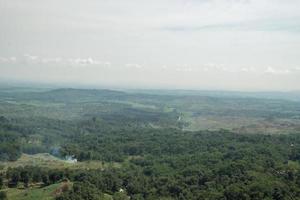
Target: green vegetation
{"x":46,"y":160}
{"x":34,"y":193}
{"x":98,"y":144}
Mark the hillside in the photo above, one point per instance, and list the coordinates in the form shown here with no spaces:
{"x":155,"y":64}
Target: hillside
{"x":120,"y":145}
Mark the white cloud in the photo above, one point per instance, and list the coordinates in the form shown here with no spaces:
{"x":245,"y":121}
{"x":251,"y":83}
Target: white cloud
{"x":83,"y":61}
{"x":51,"y":60}
{"x":271,"y":70}
{"x":297,"y":68}
{"x":88,"y":61}
{"x":136,"y":66}
{"x":241,"y":37}
{"x":184,"y":69}
{"x":8,"y":59}
{"x":32,"y":59}
{"x":247,"y":69}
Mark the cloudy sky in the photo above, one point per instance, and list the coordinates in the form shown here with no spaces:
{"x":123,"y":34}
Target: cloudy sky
{"x":186,"y":44}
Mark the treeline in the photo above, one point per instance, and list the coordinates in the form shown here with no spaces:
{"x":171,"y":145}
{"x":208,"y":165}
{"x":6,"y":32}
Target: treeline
{"x":197,"y":165}
{"x":135,"y":183}
{"x":155,"y":163}
{"x":10,"y":147}
{"x":119,"y":144}
{"x":173,"y":164}
{"x":40,"y":135}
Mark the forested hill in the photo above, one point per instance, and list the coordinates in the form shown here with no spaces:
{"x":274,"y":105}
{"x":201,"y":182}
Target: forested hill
{"x":65,"y":95}
{"x":195,"y":112}
{"x":103,"y":144}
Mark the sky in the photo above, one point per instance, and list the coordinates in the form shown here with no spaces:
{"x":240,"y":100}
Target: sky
{"x":173,"y":44}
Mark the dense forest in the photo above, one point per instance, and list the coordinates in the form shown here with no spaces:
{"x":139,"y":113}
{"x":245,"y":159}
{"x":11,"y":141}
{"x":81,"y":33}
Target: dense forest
{"x":145,"y":146}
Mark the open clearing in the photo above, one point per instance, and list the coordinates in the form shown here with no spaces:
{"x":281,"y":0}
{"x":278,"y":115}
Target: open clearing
{"x":33,"y":193}
{"x":48,"y":161}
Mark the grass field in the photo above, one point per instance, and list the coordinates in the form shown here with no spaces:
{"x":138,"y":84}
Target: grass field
{"x":41,"y":193}
{"x":48,"y":161}
{"x":36,"y":192}
{"x":33,"y":193}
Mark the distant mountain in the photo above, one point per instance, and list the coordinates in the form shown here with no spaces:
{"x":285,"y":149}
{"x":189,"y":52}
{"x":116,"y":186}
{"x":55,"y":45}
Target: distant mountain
{"x":292,"y":96}
{"x":80,"y":95}
{"x":66,"y":95}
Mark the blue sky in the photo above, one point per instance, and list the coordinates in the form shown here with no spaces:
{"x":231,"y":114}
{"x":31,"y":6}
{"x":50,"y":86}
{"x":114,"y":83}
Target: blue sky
{"x":192,"y":44}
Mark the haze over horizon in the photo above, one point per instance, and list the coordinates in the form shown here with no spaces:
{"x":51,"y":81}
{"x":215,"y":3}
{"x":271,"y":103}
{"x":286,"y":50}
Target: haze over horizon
{"x":181,"y":44}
